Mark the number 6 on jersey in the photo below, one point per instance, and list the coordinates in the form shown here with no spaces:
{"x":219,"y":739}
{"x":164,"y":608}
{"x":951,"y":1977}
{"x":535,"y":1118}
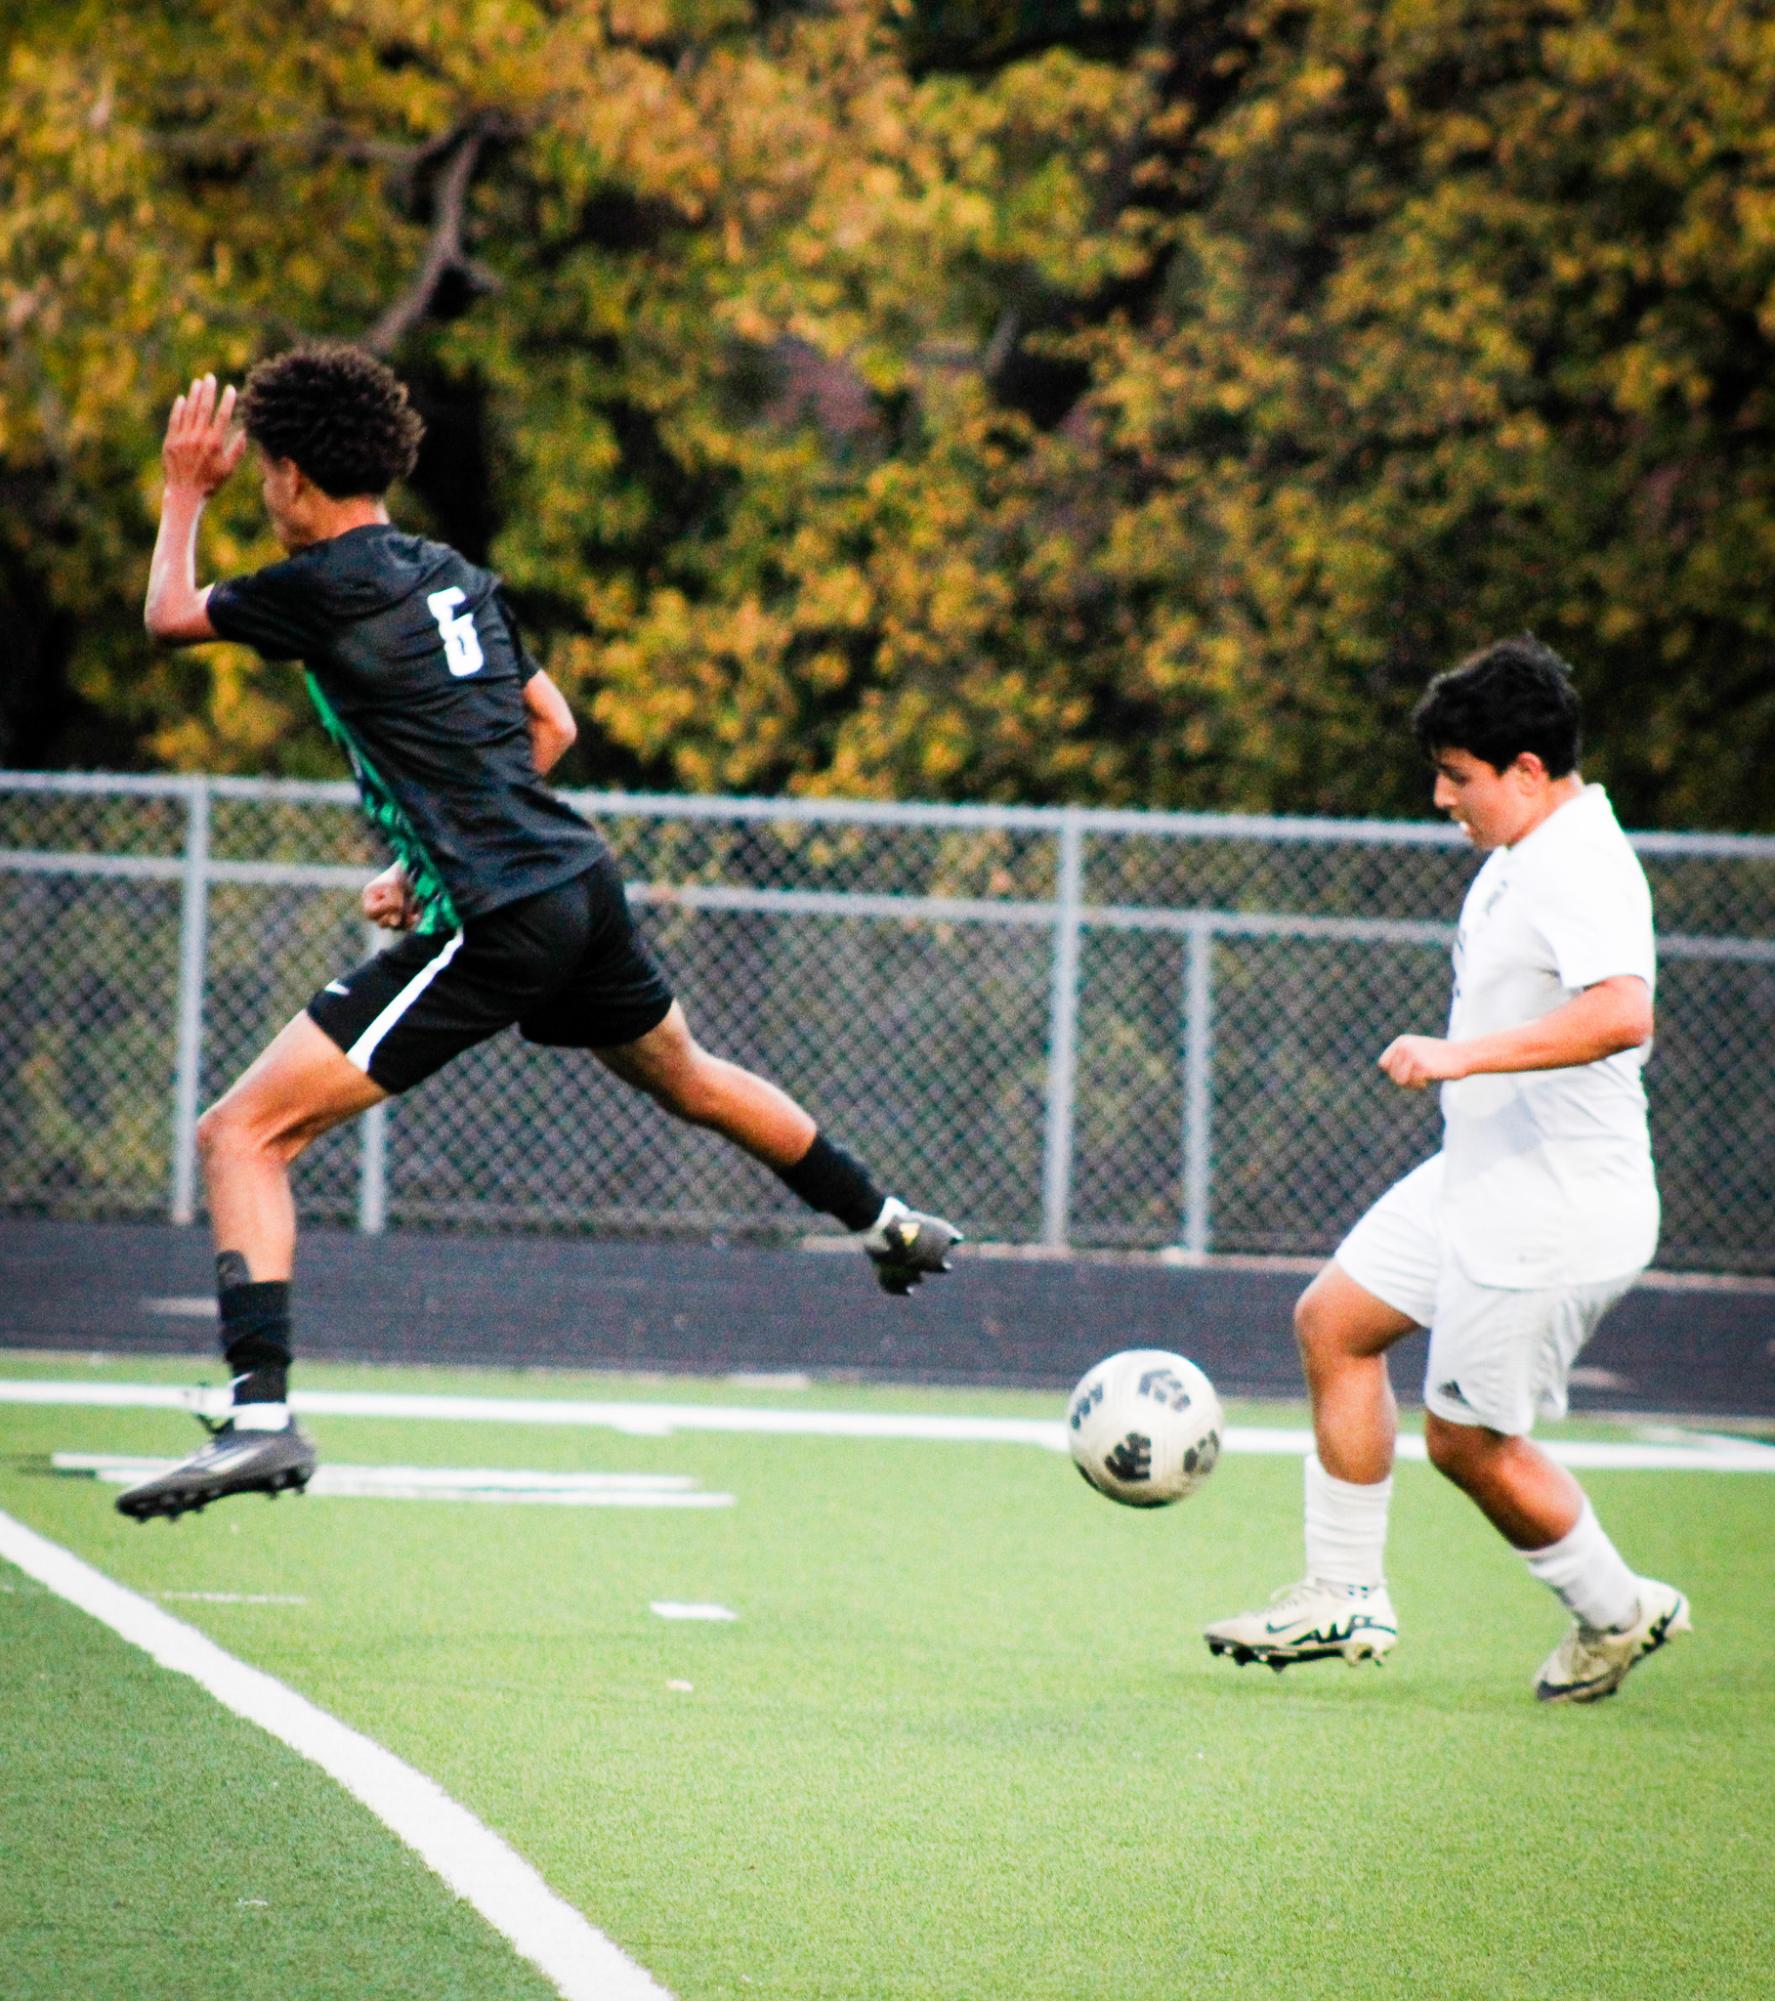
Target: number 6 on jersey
{"x":462,"y":644}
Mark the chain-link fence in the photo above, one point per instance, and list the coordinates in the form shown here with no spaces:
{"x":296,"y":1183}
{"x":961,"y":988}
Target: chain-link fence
{"x":1062,"y":1027}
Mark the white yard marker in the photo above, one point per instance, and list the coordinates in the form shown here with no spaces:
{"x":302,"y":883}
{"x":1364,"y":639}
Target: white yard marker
{"x":482,"y":1869}
{"x":663,"y":1420}
{"x":672,"y":1608}
{"x":443,"y":1483}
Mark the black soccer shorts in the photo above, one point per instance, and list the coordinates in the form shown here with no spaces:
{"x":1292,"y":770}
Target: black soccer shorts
{"x":567,"y":965}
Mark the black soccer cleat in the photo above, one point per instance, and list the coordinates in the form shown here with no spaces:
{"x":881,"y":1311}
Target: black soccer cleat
{"x":232,"y":1462}
{"x":907,"y":1247}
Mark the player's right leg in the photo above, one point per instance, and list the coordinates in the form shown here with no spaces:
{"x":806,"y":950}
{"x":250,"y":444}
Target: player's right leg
{"x":1340,"y":1609}
{"x":297,"y":1089}
{"x":1380,"y":1286}
{"x":378,"y":1030}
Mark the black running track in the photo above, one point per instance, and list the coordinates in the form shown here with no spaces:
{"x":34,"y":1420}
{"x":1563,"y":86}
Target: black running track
{"x":140,"y":1289}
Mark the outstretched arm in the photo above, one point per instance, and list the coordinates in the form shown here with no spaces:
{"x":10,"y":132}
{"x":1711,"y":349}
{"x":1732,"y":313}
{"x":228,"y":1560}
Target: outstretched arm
{"x":198,"y":453}
{"x":1613,"y":1015}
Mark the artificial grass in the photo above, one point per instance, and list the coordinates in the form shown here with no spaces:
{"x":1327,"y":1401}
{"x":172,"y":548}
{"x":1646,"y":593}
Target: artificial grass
{"x":964,"y":1739}
{"x":153,"y":1844}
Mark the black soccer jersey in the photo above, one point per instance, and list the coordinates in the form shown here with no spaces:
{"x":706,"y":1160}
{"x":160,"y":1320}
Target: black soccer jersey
{"x":418,"y":673}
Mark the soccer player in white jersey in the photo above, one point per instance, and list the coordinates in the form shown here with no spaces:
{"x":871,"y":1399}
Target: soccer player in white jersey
{"x":1511,"y":1243}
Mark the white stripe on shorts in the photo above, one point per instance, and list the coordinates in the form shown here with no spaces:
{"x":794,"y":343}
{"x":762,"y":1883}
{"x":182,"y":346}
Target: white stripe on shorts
{"x":366,"y":1045}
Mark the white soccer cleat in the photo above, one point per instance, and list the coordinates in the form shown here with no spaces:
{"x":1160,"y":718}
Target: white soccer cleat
{"x":1311,"y":1622}
{"x":1591,"y":1662}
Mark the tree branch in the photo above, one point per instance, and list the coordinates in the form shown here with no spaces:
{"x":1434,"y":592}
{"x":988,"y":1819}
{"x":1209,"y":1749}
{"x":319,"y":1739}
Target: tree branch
{"x":327,"y":141}
{"x":452,"y":160}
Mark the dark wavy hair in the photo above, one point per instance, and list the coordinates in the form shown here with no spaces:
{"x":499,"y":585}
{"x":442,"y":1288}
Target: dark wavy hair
{"x":338,"y":412}
{"x":1513,"y":696}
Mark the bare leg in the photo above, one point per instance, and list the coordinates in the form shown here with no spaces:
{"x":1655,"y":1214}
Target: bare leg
{"x":1530,"y":1499}
{"x":299,"y":1087}
{"x":1344,"y":1332}
{"x":1341,"y":1606}
{"x":763,"y":1120}
{"x":674,"y":1069}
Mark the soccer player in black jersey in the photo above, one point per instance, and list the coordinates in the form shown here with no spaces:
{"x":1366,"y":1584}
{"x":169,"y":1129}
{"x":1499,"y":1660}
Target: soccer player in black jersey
{"x":512,"y":907}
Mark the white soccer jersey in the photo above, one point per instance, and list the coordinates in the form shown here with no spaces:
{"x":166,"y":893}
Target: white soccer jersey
{"x":1548,"y":1173}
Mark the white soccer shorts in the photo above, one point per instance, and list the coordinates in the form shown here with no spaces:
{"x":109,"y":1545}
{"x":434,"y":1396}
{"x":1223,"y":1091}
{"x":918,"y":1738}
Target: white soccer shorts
{"x":1497,"y":1357}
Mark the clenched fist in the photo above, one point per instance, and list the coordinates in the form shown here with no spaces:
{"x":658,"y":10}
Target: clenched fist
{"x":388,"y":900}
{"x":1417,"y":1061}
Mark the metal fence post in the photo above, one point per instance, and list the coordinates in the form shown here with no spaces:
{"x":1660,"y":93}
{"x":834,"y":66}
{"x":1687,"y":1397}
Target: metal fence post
{"x":1198,"y":1084}
{"x":1063,"y":1022}
{"x":193,"y":949}
{"x":372,"y":1174}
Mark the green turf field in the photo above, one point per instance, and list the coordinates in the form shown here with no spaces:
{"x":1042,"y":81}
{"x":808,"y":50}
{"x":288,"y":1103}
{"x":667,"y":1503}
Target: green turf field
{"x":961,"y":1741}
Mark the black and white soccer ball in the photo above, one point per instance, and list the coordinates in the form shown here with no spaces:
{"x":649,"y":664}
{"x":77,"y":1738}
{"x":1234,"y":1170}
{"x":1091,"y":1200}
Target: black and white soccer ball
{"x":1145,"y":1427}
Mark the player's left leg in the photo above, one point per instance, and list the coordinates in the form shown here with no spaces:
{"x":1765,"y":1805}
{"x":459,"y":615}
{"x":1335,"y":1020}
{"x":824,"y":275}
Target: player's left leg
{"x":673,"y":1068}
{"x":298,"y":1088}
{"x":616,"y":1001}
{"x":1530,"y":1499}
{"x":1618,"y":1618}
{"x":1494,"y":1357}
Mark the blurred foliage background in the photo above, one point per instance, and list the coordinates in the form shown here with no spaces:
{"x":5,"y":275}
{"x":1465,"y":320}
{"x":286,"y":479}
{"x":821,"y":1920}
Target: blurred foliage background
{"x":1120,"y":401}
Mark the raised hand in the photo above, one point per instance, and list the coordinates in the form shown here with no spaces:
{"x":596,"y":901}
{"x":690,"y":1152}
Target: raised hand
{"x":200,"y":449}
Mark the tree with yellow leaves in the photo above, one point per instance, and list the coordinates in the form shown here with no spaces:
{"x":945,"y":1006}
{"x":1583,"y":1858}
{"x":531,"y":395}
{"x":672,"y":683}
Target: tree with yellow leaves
{"x":1129,"y":403}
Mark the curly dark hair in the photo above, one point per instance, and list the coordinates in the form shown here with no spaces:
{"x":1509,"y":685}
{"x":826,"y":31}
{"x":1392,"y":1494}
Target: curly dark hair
{"x":338,"y":412}
{"x":1513,"y":696}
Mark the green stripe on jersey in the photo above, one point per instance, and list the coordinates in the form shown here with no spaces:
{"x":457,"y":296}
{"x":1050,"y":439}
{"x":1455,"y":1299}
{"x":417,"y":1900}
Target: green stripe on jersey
{"x":436,"y":911}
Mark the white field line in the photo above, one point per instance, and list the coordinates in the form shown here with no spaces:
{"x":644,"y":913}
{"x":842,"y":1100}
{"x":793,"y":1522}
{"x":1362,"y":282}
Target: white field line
{"x":477,"y":1865}
{"x":442,"y":1483}
{"x":233,"y":1597}
{"x":1705,"y":1454}
{"x":675,"y":1608}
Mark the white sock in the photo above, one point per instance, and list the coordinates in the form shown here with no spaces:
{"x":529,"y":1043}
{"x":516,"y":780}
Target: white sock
{"x":1346,"y":1528}
{"x":259,"y":1416}
{"x":1587,"y":1574}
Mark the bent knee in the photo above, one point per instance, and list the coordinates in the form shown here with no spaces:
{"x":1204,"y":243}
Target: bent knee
{"x":1315,"y":1324}
{"x":1457,"y":1451}
{"x":230,"y":1130}
{"x":219,"y":1130}
{"x":1306,"y":1318}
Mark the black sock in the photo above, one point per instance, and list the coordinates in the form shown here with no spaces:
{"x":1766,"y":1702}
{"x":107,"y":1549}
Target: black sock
{"x":826,"y":1177}
{"x":255,"y":1331}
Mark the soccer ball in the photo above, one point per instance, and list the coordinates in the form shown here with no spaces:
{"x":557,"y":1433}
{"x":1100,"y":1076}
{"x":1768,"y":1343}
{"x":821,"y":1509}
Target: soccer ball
{"x":1144,"y":1427}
